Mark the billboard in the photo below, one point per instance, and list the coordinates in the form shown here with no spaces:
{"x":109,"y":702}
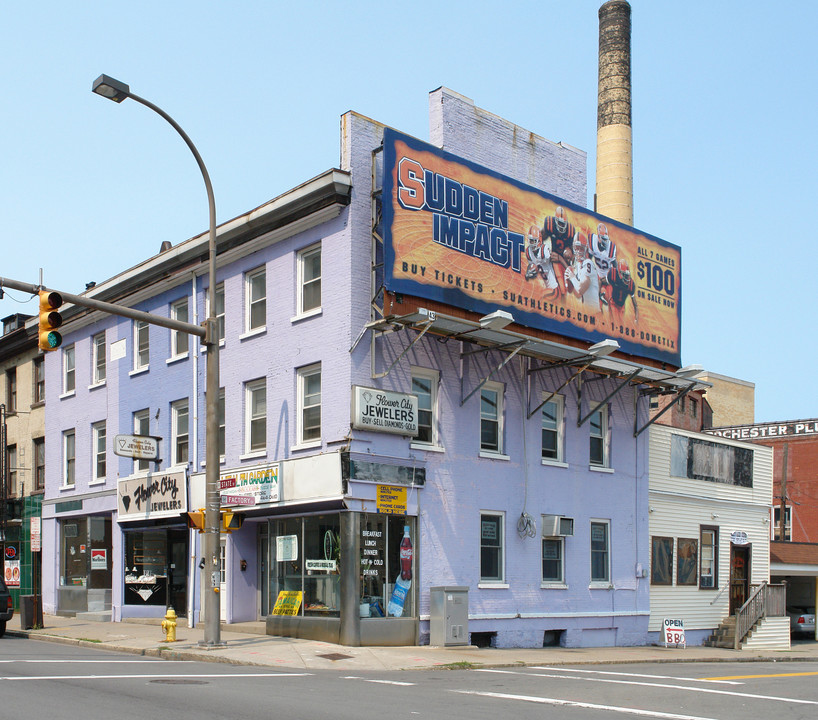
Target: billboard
{"x":461,"y":234}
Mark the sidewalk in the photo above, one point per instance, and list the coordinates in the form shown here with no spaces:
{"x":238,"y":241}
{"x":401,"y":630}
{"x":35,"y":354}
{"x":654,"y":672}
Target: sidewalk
{"x":245,"y":644}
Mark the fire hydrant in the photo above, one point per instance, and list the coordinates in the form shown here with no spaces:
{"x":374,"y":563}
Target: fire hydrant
{"x":169,"y":625}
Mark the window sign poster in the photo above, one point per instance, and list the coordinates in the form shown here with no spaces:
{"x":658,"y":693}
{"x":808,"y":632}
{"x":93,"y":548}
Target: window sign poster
{"x":488,"y":530}
{"x":99,"y":559}
{"x":288,"y":602}
{"x":287,"y":548}
{"x":12,"y":573}
{"x":458,"y":233}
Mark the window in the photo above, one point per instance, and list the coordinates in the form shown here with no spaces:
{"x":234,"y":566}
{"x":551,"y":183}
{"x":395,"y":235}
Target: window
{"x":220,"y":418}
{"x":654,"y":402}
{"x":69,"y":379}
{"x":98,"y":358}
{"x":309,"y":400}
{"x":69,"y":454}
{"x":552,"y":420}
{"x":491,"y":418}
{"x":682,"y":404}
{"x":600,"y":556}
{"x":178,"y":338}
{"x":491,"y":548}
{"x":180,"y":431}
{"x":11,"y":389}
{"x":220,"y":310}
{"x":309,"y":280}
{"x":599,"y":437}
{"x":39,"y":463}
{"x":38,"y":369}
{"x":687,"y":561}
{"x":98,"y":460}
{"x":141,"y":426}
{"x":709,"y":558}
{"x":256,"y":416}
{"x":256,"y":299}
{"x":694,"y":407}
{"x":141,"y":345}
{"x":11,"y":459}
{"x":552,"y":567}
{"x":714,"y":462}
{"x":424,"y":385}
{"x":661,"y":561}
{"x":776,"y":529}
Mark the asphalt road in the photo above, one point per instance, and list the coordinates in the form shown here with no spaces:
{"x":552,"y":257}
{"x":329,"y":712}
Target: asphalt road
{"x":43,"y":680}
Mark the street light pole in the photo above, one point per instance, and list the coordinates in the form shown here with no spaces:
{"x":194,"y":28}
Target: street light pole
{"x":117,"y":91}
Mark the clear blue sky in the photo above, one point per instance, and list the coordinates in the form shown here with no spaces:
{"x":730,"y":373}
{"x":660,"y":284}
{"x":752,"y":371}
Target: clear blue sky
{"x":724,"y":117}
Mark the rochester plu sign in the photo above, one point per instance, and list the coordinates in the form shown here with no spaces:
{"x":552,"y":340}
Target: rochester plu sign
{"x":384,"y":411}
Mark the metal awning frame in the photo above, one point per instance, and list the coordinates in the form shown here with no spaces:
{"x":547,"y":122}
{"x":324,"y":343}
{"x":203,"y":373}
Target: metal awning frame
{"x":554,"y":355}
{"x":627,"y":381}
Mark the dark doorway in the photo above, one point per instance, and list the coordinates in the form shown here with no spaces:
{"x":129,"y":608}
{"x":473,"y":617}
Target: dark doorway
{"x":739,"y":576}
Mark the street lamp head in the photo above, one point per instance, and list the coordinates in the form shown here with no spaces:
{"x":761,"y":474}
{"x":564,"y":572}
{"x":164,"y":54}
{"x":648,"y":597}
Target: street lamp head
{"x":112,"y":89}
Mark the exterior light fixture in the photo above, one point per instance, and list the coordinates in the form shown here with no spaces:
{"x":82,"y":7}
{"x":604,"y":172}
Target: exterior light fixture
{"x":112,"y":89}
{"x":603,"y":348}
{"x":496,"y":320}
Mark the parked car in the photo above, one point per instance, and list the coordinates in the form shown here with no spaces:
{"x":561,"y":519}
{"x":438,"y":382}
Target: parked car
{"x":6,"y":608}
{"x":802,"y":620}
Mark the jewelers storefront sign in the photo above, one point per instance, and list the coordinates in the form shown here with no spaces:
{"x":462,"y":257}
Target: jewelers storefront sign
{"x":384,"y":411}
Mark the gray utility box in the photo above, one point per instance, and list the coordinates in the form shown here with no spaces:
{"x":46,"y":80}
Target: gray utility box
{"x":449,"y":616}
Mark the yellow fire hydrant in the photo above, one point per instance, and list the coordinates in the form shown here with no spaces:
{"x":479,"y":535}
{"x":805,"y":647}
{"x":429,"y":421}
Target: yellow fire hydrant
{"x":169,"y":625}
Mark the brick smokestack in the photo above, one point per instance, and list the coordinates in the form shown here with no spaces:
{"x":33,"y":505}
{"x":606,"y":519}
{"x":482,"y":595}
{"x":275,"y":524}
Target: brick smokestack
{"x":614,"y":159}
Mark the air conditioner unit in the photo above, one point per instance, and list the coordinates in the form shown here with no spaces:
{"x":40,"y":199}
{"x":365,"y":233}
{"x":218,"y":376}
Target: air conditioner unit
{"x":557,"y":526}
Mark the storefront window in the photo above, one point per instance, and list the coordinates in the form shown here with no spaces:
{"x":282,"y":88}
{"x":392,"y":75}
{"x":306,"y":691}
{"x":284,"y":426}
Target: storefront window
{"x":156,"y":567}
{"x":306,"y":557}
{"x":85,"y":553}
{"x":387,"y":565}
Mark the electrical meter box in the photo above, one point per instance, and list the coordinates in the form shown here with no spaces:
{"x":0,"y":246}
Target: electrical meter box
{"x":449,"y":616}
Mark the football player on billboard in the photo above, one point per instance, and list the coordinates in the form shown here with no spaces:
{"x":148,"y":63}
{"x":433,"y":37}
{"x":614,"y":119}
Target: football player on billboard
{"x":621,"y":287}
{"x":603,"y":251}
{"x":560,"y":232}
{"x":538,"y":253}
{"x":582,"y":279}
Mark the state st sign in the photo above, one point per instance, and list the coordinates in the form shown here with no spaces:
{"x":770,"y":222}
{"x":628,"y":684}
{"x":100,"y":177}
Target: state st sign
{"x":139,"y":447}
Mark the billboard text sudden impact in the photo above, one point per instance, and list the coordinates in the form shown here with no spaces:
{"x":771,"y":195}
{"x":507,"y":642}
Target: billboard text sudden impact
{"x":460,"y":234}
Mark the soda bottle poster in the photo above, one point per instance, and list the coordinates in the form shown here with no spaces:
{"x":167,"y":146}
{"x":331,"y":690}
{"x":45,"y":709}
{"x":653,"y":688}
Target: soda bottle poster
{"x":460,"y":234}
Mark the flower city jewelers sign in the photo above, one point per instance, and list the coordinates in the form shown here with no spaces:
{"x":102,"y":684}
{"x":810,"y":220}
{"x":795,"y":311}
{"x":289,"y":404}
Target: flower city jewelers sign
{"x":384,"y":411}
{"x":155,"y":495}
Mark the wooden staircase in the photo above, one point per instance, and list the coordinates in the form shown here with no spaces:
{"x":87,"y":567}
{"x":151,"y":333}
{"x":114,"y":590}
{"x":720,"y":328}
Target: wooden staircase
{"x":724,"y":636}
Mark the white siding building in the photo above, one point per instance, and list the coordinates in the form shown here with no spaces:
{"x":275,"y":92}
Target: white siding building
{"x":709,"y":515}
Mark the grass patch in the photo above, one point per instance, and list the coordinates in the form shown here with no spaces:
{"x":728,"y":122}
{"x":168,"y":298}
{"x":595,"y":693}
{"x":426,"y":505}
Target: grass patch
{"x":91,"y":640}
{"x":461,"y":665}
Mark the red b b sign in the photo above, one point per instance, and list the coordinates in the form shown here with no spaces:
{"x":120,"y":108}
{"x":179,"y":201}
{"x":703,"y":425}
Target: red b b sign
{"x":673,"y":632}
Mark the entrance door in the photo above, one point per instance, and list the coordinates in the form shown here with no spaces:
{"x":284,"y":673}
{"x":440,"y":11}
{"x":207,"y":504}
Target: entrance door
{"x":222,"y":581}
{"x":739,"y":576}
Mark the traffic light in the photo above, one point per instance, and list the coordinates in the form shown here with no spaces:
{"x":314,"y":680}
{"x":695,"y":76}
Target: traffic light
{"x":50,"y":320}
{"x":231,"y":521}
{"x":196,"y":519}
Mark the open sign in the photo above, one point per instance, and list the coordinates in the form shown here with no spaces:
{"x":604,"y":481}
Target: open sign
{"x":673,"y":632}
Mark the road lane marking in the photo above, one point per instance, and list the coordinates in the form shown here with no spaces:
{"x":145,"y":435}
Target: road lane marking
{"x":90,"y":662}
{"x":711,"y":691}
{"x":382,"y":682}
{"x":162,"y":676}
{"x":724,"y":681}
{"x":584,"y":705}
{"x":753,"y":677}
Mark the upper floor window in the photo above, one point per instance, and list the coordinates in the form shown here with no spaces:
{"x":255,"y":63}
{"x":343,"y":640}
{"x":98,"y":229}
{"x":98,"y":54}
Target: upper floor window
{"x":309,"y":280}
{"x":69,"y":377}
{"x":599,"y":437}
{"x":714,"y":462}
{"x":424,"y":385}
{"x":98,"y":357}
{"x":492,"y":551}
{"x":600,"y":552}
{"x":552,"y":560}
{"x":256,"y":414}
{"x":309,"y":403}
{"x":39,"y":463}
{"x":552,"y":424}
{"x":141,"y":344}
{"x":256,"y":299}
{"x":11,"y":389}
{"x":69,"y":455}
{"x":491,"y":417}
{"x":179,"y":338}
{"x":11,"y":459}
{"x":180,"y":432}
{"x":38,"y":368}
{"x":220,"y":418}
{"x":141,"y":426}
{"x":219,"y":314}
{"x":776,"y":528}
{"x":98,"y":444}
